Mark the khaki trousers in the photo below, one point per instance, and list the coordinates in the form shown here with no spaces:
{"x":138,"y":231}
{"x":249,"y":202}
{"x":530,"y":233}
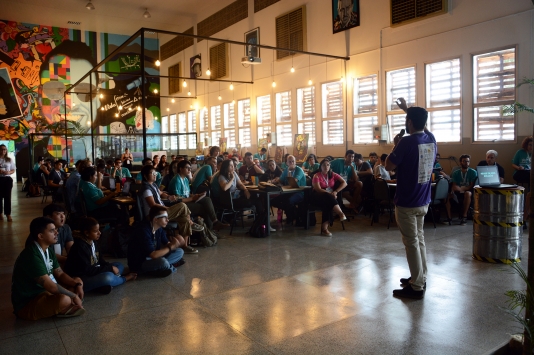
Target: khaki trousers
{"x":180,"y":214}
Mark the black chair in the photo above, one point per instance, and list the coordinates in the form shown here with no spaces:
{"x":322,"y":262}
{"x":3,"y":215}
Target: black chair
{"x":439,"y":196}
{"x":307,"y":207}
{"x":84,"y":213}
{"x":382,"y":199}
{"x":227,"y":203}
{"x":47,"y":191}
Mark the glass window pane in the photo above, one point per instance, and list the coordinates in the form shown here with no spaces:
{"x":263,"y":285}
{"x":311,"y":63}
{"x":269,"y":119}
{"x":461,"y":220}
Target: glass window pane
{"x":263,"y":130}
{"x":216,"y":118}
{"x":366,"y":94}
{"x":333,"y":132}
{"x":229,"y":116}
{"x":445,"y":125}
{"x":491,"y":123}
{"x":396,"y":123}
{"x":332,"y":99}
{"x":443,"y":83}
{"x":283,"y":107}
{"x":306,"y":103}
{"x":182,"y":128}
{"x":263,"y":104}
{"x":173,"y":127}
{"x":243,"y":113}
{"x":494,"y":76}
{"x":284,"y":135}
{"x":204,"y":120}
{"x":192,"y":128}
{"x":307,"y":127}
{"x":400,"y":83}
{"x":244,"y":137}
{"x":363,"y":129}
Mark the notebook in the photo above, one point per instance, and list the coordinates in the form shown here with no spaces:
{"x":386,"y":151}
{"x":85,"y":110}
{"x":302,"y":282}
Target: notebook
{"x":488,"y":176}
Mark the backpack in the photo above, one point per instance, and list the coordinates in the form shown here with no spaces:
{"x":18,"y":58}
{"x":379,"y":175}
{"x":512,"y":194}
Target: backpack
{"x":258,"y":227}
{"x":33,"y":190}
{"x":207,"y":236}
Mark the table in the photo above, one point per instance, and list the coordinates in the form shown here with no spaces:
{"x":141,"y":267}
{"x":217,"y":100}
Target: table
{"x":267,"y":194}
{"x":123,"y":200}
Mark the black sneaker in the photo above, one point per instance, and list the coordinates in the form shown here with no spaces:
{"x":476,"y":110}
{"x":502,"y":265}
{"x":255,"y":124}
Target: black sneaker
{"x":463,"y":221}
{"x":105,"y":290}
{"x":179,"y":263}
{"x":406,"y":282}
{"x":409,"y":292}
{"x":160,"y":273}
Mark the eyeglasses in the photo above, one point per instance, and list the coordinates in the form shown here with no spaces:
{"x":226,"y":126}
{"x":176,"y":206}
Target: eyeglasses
{"x":187,"y":167}
{"x":154,"y":173}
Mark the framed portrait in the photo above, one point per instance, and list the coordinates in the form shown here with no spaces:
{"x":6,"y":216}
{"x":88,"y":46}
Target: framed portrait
{"x":252,"y":38}
{"x":195,"y":66}
{"x":345,"y":14}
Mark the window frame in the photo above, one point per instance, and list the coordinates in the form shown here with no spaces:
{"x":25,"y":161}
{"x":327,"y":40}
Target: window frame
{"x":300,"y":114}
{"x":262,"y":126}
{"x":324,"y":120}
{"x":281,"y":121}
{"x":395,"y":111}
{"x":365,"y":115}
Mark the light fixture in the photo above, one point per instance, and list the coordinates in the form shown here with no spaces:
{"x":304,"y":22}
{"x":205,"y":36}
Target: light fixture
{"x":101,"y":96}
{"x":189,"y":93}
{"x":158,"y":63}
{"x":233,"y":102}
{"x":310,"y":82}
{"x":138,"y":108}
{"x":146,"y":14}
{"x":168,"y":109}
{"x":89,"y":123}
{"x":309,"y":76}
{"x":90,"y":6}
{"x":173,"y":100}
{"x":231,"y":86}
{"x":73,"y":104}
{"x":273,"y":84}
{"x":129,"y":109}
{"x":292,"y":69}
{"x":208,"y":72}
{"x":102,"y":108}
{"x":191,"y":106}
{"x":220,"y":97}
{"x":116,"y":115}
{"x":155,"y":91}
{"x":184,"y":84}
{"x":120,"y":107}
{"x":272,"y":73}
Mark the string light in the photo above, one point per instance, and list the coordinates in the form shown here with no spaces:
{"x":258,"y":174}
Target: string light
{"x":173,"y":100}
{"x":189,"y":93}
{"x":116,"y":115}
{"x":292,"y":69}
{"x":273,"y":84}
{"x":120,"y":107}
{"x":232,"y":86}
{"x":158,"y":63}
{"x":184,"y":84}
{"x":155,"y":91}
{"x":101,"y":96}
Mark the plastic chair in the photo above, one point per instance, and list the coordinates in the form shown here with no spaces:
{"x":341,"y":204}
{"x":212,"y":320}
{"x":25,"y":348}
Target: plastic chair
{"x":439,"y":195}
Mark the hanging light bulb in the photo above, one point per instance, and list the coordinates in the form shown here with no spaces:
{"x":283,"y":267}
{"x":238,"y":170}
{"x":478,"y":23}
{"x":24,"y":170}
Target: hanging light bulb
{"x":73,"y":104}
{"x":208,"y":72}
{"x":220,"y":98}
{"x":129,"y":109}
{"x":138,"y":108}
{"x":232,"y":86}
{"x":184,"y":84}
{"x":102,"y":108}
{"x":168,"y":109}
{"x":233,"y":102}
{"x":191,"y":106}
{"x":205,"y":108}
{"x":309,"y":82}
{"x":120,"y":107}
{"x":273,"y":84}
{"x":155,"y":91}
{"x":89,"y":123}
{"x":189,"y":93}
{"x":101,"y":96}
{"x":342,"y":79}
{"x":116,"y":115}
{"x":173,"y":100}
{"x":292,"y":69}
{"x":158,"y":63}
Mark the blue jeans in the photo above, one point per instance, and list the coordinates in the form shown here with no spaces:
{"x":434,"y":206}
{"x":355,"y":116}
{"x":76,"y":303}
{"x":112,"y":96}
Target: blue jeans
{"x":164,"y":262}
{"x":104,"y":279}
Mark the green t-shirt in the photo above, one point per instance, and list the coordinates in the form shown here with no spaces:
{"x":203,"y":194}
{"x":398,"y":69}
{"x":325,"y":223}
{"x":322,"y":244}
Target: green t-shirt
{"x":461,"y":179}
{"x":311,"y":168}
{"x":338,"y":166}
{"x":201,"y":175}
{"x":522,"y":158}
{"x":30,"y":265}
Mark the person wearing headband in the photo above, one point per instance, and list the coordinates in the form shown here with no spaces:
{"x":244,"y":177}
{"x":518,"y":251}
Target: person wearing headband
{"x":149,"y":250}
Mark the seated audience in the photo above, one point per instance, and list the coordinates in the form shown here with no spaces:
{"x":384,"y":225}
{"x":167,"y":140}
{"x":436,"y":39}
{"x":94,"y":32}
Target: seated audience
{"x":365,"y":175}
{"x":262,"y":157}
{"x":437,"y":165}
{"x":72,"y":186}
{"x":139,"y":177}
{"x":64,"y":234}
{"x":155,"y":162}
{"x":288,"y":202}
{"x":225,"y":156}
{"x":97,"y":203}
{"x":284,"y":165}
{"x":381,"y":172}
{"x":346,"y":168}
{"x":86,"y":262}
{"x":56,"y":179}
{"x":214,"y":151}
{"x":311,"y":165}
{"x":373,"y":159}
{"x":177,"y":211}
{"x":249,"y":169}
{"x":199,"y":204}
{"x":109,"y":167}
{"x":40,"y":289}
{"x":521,"y":162}
{"x":272,"y":172}
{"x":149,"y":250}
{"x":119,"y":173}
{"x":235,"y":154}
{"x":37,"y":166}
{"x":463,"y":181}
{"x":162,"y":164}
{"x":491,"y":157}
{"x":237,"y":163}
{"x":203,"y":174}
{"x":172,"y":170}
{"x":325,"y":196}
{"x":229,"y":180}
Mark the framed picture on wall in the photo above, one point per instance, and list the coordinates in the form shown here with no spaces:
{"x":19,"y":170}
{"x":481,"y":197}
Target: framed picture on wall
{"x":252,"y":38}
{"x":195,"y":65}
{"x":345,"y":14}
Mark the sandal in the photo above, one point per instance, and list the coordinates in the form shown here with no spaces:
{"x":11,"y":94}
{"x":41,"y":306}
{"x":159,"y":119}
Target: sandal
{"x":73,"y":311}
{"x":326,"y":233}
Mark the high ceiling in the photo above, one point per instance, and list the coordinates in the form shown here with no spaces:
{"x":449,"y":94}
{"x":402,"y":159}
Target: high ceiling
{"x":112,"y":16}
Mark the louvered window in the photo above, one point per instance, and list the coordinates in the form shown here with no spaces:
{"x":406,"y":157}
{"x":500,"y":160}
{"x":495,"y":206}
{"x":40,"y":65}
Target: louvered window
{"x":165,"y":129}
{"x":204,"y":125}
{"x":284,"y":133}
{"x":365,"y":108}
{"x":173,"y":125}
{"x":306,"y":112}
{"x":216,"y":124}
{"x":443,"y":94}
{"x":243,"y":121}
{"x":192,"y":128}
{"x":332,"y":102}
{"x":263,"y":109}
{"x":175,"y":71}
{"x":291,"y":32}
{"x":399,"y":83}
{"x":494,"y":87}
{"x":229,"y":124}
{"x":182,"y":128}
{"x":218,"y":61}
{"x":409,"y":10}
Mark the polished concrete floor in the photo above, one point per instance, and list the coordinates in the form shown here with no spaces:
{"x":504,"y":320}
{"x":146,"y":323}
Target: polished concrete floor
{"x":293,"y":293}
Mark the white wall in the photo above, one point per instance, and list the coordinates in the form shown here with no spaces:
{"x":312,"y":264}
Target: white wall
{"x":470,"y":27}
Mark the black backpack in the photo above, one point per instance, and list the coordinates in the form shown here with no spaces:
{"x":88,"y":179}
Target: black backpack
{"x":258,"y":227}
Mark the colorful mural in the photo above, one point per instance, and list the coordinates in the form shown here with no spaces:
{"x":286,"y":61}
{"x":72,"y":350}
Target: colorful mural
{"x":43,"y":60}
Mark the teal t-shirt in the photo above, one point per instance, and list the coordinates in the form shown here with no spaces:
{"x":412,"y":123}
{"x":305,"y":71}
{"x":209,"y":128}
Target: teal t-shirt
{"x":311,"y":168}
{"x":91,"y":194}
{"x":30,"y":264}
{"x":522,"y":158}
{"x":259,"y":156}
{"x":179,"y":186}
{"x":338,"y":166}
{"x":203,"y":173}
{"x":461,"y":179}
{"x":298,"y":174}
{"x":121,"y":173}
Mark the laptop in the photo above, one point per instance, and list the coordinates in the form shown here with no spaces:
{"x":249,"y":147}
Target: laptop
{"x":488,"y":176}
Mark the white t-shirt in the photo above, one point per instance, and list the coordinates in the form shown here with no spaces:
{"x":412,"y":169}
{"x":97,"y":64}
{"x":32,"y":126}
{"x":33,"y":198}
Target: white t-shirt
{"x":144,"y":204}
{"x":6,"y":165}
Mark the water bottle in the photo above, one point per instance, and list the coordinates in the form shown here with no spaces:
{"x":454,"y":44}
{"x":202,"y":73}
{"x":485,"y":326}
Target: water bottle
{"x":280,"y":216}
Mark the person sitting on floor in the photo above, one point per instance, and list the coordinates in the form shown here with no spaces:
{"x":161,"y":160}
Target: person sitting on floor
{"x":86,"y":262}
{"x":249,"y":169}
{"x":325,"y":196}
{"x":199,"y":204}
{"x":64,"y":234}
{"x":272,"y":173}
{"x":40,"y":289}
{"x":149,"y":250}
{"x":463,"y":181}
{"x":177,"y":211}
{"x":288,"y":202}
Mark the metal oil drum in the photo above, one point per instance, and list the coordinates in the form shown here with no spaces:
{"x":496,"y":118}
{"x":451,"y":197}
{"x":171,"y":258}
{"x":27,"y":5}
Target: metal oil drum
{"x":498,"y":224}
